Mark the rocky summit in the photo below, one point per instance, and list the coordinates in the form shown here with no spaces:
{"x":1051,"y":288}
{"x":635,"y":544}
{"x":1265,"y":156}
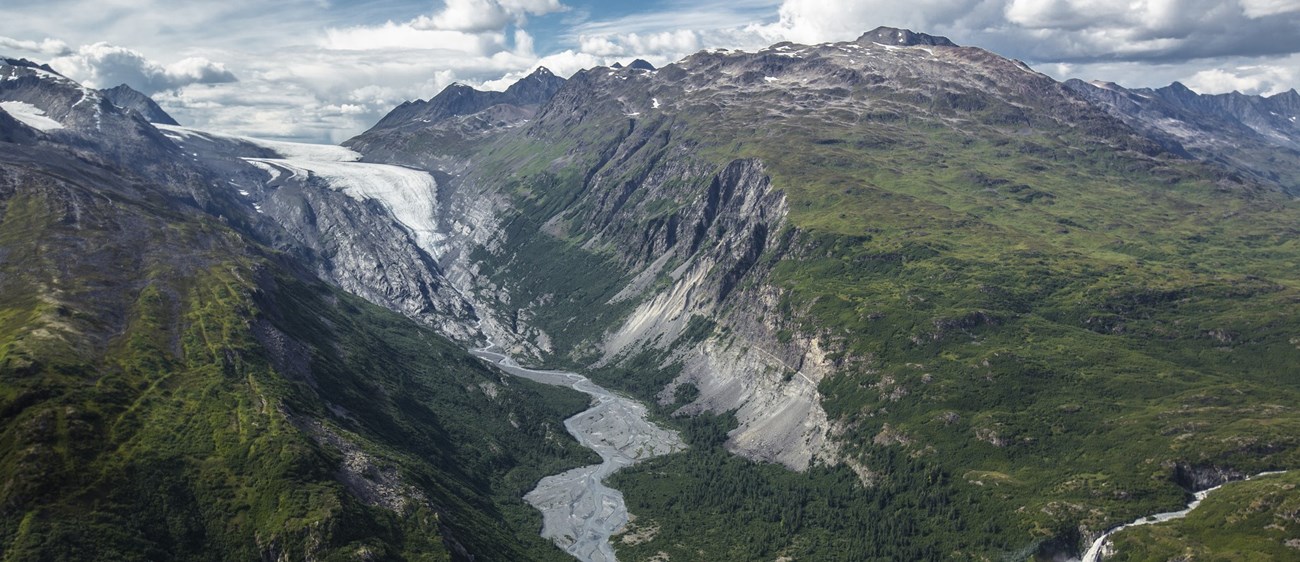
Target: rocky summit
{"x":884,"y":299}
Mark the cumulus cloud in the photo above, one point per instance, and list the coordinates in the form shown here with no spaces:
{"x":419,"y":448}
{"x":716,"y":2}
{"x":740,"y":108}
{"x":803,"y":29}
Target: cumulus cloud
{"x":103,"y":65}
{"x":476,"y":16}
{"x":406,"y":36}
{"x":1034,"y":30}
{"x":1265,"y":8}
{"x":643,"y":44}
{"x":47,"y":46}
{"x":1248,"y":79}
{"x":817,"y":21}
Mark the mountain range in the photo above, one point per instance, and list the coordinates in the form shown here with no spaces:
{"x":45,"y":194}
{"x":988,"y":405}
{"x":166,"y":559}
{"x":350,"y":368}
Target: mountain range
{"x":904,"y":299}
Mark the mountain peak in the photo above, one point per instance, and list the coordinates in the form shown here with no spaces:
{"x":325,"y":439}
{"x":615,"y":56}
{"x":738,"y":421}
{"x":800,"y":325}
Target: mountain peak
{"x":641,"y":64}
{"x":896,"y":37}
{"x":28,"y":64}
{"x":127,"y":97}
{"x":461,"y":99}
{"x":1177,"y":91}
{"x":533,"y":89}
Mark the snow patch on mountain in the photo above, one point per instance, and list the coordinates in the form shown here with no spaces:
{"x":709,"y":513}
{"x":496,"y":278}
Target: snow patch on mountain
{"x":30,"y":115}
{"x":287,"y":150}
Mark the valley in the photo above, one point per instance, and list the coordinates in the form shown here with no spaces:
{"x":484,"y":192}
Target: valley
{"x":891,"y":298}
{"x":579,"y":512}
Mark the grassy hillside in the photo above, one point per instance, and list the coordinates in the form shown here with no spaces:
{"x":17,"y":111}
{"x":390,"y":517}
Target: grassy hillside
{"x":170,"y":391}
{"x":1255,"y":520}
{"x":1022,"y":298}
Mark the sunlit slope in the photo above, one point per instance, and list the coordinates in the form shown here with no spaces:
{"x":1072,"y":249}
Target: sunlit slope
{"x":170,"y":390}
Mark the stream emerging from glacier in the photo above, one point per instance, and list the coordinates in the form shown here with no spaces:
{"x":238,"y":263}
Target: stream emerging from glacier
{"x":579,"y":512}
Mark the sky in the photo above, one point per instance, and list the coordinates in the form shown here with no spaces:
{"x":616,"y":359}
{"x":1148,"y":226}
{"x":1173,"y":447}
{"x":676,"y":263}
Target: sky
{"x":326,"y":70}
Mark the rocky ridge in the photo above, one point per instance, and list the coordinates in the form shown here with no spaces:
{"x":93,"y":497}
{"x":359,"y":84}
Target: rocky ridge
{"x":1254,"y":136}
{"x":709,"y":247}
{"x":127,"y":97}
{"x":687,"y":191}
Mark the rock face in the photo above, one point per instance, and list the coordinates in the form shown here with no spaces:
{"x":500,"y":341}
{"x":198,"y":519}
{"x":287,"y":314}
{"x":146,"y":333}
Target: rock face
{"x":367,"y":228}
{"x":903,"y":38}
{"x":459,"y":99}
{"x":127,"y":97}
{"x":780,"y":415}
{"x":1254,"y":136}
{"x":692,"y":240}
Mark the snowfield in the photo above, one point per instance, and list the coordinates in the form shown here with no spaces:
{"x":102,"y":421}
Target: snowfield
{"x":289,"y":150}
{"x":30,"y":115}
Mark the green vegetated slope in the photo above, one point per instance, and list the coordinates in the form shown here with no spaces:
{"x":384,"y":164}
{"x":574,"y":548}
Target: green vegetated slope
{"x":1027,"y":302}
{"x":170,"y":391}
{"x":1253,"y":520}
{"x":1062,"y":324}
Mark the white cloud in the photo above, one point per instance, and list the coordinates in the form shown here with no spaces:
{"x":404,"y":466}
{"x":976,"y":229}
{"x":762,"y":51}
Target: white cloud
{"x":1265,"y":8}
{"x":102,"y":65}
{"x":670,"y":43}
{"x":602,"y":45}
{"x":47,"y":46}
{"x":1251,"y":79}
{"x":467,"y":15}
{"x":476,"y":16}
{"x":406,"y":36}
{"x":817,"y":21}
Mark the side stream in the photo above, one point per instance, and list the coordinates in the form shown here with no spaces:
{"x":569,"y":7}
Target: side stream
{"x":1101,"y":548}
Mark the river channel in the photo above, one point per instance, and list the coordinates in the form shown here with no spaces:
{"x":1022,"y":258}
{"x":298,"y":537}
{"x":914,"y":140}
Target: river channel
{"x":579,"y":512}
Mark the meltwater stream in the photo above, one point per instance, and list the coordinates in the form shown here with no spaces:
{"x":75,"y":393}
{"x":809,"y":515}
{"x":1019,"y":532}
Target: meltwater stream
{"x":1098,"y":550}
{"x":579,"y":512}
